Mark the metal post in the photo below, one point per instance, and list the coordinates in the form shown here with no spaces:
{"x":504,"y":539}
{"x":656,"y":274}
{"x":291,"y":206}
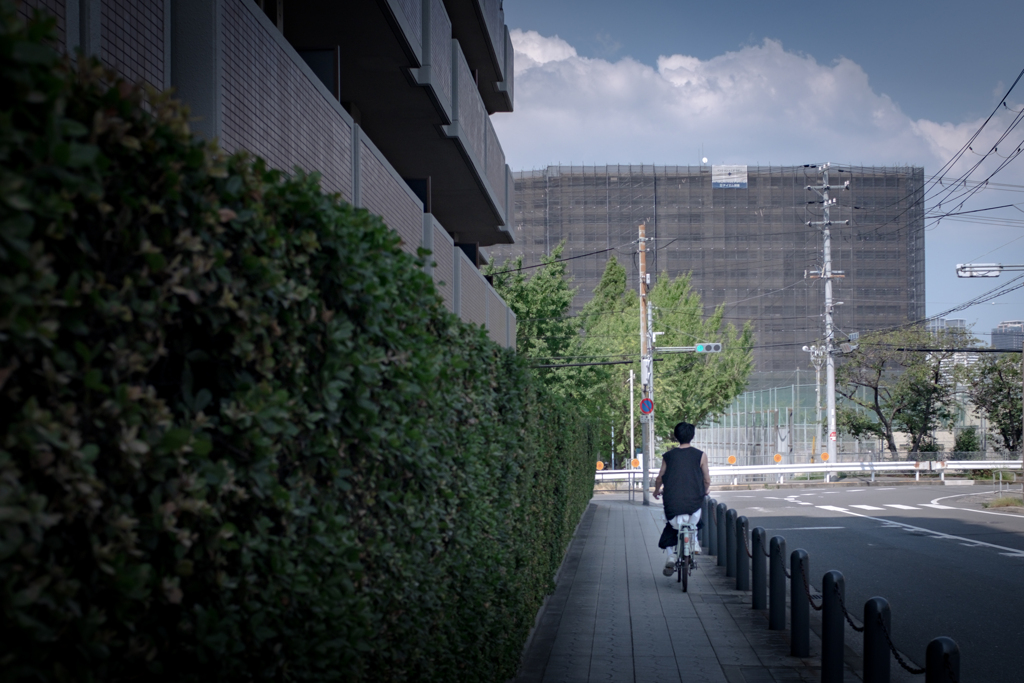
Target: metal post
{"x":632,"y":400}
{"x":777,"y":585}
{"x":759,"y":598}
{"x":711,"y":526}
{"x":799,"y":604}
{"x":646,"y":369}
{"x":876,"y":645}
{"x":942,"y":661}
{"x":730,"y":542}
{"x":833,"y":633}
{"x":742,"y":560}
{"x":720,"y":526}
{"x":830,"y":361}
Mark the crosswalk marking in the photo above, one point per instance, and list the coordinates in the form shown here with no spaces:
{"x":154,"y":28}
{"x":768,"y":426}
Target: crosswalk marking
{"x":833,"y":508}
{"x":937,"y":506}
{"x":900,"y":507}
{"x":866,"y":507}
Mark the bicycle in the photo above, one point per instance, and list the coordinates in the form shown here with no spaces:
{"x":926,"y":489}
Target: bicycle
{"x":685,"y":549}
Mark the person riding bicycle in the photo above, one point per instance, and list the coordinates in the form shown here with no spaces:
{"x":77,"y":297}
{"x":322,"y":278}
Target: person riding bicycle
{"x":686,"y":479}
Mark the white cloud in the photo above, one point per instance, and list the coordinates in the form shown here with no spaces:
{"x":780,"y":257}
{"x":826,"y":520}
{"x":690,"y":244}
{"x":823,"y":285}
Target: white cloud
{"x":759,"y":104}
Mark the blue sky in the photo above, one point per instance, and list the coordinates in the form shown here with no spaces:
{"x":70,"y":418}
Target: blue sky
{"x":873,"y":83}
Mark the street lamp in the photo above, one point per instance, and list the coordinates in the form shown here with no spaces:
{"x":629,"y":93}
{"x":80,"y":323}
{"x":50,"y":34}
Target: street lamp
{"x":986,"y":269}
{"x":818,"y":352}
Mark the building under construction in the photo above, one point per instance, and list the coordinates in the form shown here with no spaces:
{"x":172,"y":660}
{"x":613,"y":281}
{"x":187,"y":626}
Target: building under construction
{"x":742,"y":232}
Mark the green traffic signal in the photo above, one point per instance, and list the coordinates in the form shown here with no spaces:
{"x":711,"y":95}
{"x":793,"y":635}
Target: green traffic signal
{"x":708,"y":347}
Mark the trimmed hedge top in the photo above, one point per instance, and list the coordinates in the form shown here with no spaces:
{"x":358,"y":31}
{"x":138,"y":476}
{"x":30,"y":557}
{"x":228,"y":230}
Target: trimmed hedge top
{"x":241,"y":437}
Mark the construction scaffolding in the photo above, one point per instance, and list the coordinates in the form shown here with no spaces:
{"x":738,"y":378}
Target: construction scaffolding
{"x":746,"y":244}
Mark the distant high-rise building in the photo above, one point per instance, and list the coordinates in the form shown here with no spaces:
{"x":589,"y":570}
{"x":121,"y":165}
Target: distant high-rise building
{"x":944,"y":324}
{"x":1008,"y":334}
{"x":742,"y":232}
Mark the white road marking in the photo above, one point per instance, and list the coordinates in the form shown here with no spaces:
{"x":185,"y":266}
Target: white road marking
{"x":866,"y":507}
{"x":832,"y":507}
{"x":854,"y":490}
{"x":900,"y":507}
{"x":937,"y":506}
{"x":1010,"y":552}
{"x":807,"y":528}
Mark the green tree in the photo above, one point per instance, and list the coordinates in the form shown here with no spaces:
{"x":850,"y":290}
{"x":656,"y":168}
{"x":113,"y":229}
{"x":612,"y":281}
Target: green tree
{"x":900,"y":389}
{"x":967,"y":440}
{"x":994,"y":386}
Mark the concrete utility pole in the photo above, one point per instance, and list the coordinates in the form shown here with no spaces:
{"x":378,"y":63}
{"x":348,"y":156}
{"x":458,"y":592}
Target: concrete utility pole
{"x":827,"y":275}
{"x":646,"y":367}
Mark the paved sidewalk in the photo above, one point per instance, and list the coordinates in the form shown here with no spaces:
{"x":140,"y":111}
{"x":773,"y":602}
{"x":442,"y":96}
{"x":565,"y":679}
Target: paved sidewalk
{"x":615,"y":617}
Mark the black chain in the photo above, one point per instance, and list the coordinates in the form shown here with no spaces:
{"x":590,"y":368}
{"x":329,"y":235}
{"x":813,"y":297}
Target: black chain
{"x":784,"y":570}
{"x":949,"y":668}
{"x":807,"y":589}
{"x":746,"y":544}
{"x":858,"y":629}
{"x":899,"y":660}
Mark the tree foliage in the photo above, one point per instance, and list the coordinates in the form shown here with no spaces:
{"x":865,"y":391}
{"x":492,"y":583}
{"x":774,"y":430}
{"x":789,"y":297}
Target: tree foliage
{"x":688,"y":387}
{"x":240,"y":437}
{"x":994,"y":387}
{"x":889,"y":387}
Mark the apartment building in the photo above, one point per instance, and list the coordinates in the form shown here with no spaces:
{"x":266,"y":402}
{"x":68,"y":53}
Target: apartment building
{"x":742,"y":233}
{"x":390,"y":100}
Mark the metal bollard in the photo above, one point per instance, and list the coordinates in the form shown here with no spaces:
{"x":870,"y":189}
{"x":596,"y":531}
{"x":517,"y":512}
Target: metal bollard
{"x":799,"y":605}
{"x":876,"y":645}
{"x":758,"y":542}
{"x":742,"y":560}
{"x":777,"y":585}
{"x":730,"y":542}
{"x":942,"y":661}
{"x":702,"y":532}
{"x":720,"y":529}
{"x":709,"y":525}
{"x":833,"y":628}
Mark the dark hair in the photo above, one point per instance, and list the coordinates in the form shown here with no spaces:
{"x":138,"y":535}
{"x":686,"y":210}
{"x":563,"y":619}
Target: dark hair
{"x":684,"y":432}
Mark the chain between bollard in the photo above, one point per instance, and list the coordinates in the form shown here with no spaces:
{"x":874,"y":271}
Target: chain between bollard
{"x":949,"y":668}
{"x":784,"y":570}
{"x":807,"y":589}
{"x":842,"y":605}
{"x":746,"y":546}
{"x":899,"y":660}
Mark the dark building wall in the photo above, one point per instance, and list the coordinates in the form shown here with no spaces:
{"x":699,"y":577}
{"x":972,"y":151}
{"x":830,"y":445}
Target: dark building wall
{"x":746,"y":248}
{"x":132,"y":39}
{"x":55,"y":7}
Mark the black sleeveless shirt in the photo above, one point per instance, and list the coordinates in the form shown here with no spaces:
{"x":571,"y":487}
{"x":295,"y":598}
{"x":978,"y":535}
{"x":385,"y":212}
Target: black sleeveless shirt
{"x":683,"y":481}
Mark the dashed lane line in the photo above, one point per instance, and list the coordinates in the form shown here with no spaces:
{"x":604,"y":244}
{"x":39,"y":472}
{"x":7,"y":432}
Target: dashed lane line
{"x":866,"y":507}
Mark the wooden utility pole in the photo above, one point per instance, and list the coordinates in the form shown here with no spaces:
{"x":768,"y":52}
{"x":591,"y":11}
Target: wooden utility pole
{"x":646,"y":367}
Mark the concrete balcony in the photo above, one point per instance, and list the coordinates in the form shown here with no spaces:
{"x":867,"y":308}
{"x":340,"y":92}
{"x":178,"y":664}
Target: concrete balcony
{"x":479,"y":25}
{"x":395,"y":68}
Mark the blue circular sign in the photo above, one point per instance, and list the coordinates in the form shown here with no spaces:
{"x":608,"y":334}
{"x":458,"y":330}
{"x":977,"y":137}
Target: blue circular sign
{"x":646,"y":406}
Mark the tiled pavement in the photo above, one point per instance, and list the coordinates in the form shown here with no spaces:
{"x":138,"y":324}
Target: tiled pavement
{"x":615,"y":617}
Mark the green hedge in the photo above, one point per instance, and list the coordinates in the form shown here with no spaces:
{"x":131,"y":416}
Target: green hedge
{"x":241,"y":437}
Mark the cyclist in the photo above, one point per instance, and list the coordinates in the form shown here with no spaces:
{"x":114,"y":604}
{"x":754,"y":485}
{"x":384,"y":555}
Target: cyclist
{"x":686,"y":479}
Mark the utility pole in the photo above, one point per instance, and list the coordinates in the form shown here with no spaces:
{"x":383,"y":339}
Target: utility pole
{"x":646,"y":367}
{"x":827,"y":275}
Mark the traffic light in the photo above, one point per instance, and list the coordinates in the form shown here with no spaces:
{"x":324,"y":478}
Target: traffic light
{"x":708,"y":347}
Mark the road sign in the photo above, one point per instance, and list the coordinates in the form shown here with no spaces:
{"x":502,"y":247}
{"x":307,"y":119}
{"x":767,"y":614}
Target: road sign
{"x":646,"y":418}
{"x":634,"y":462}
{"x":646,"y":406}
{"x":731,"y":460}
{"x":600,"y":465}
{"x":778,"y":457}
{"x":832,"y":436}
{"x":824,"y":457}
